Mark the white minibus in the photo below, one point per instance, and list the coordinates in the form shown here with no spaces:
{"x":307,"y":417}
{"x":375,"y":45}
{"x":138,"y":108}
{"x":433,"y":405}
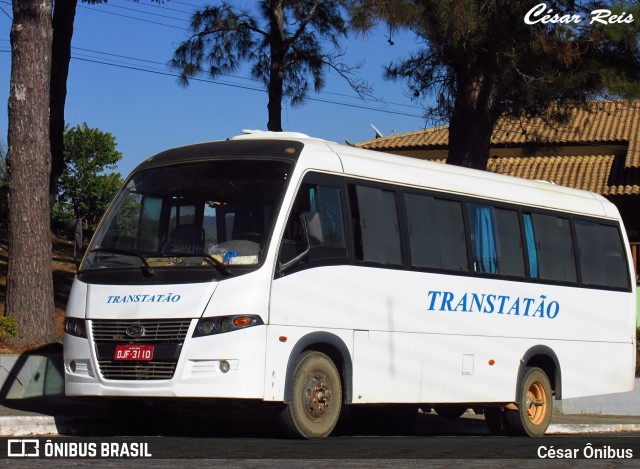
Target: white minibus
{"x":316,"y":277}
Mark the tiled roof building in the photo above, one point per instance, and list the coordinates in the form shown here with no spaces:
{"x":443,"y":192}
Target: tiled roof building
{"x":603,"y":124}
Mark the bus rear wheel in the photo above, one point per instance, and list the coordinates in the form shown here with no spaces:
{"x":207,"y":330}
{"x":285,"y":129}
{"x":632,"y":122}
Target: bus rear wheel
{"x":535,"y":405}
{"x":316,"y":398}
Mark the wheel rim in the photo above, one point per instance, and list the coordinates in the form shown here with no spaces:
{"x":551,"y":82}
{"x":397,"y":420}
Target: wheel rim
{"x":536,"y":404}
{"x":317,"y":395}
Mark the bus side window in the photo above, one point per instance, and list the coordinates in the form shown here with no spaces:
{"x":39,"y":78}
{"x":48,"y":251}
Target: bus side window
{"x":377,"y":229}
{"x":325,"y":200}
{"x":552,"y":247}
{"x":495,"y":240}
{"x":436,"y":233}
{"x":602,"y":256}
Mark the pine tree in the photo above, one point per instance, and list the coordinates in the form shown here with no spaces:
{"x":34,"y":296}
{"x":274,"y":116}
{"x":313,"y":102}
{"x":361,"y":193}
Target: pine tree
{"x":29,"y":296}
{"x":481,"y":60}
{"x":283,"y":41}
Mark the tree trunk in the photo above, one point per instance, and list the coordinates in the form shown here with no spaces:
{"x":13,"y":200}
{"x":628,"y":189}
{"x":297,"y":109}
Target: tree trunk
{"x":63,"y":16}
{"x":472,"y":122}
{"x":29,"y":280}
{"x":469,"y":140}
{"x":276,"y":71}
{"x":274,"y":105}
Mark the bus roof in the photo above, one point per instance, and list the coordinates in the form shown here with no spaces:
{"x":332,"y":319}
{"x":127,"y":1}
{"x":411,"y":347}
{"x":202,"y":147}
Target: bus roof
{"x":393,"y":169}
{"x":471,"y":182}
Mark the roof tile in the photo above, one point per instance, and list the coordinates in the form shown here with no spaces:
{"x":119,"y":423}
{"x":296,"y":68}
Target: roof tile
{"x":602,"y":121}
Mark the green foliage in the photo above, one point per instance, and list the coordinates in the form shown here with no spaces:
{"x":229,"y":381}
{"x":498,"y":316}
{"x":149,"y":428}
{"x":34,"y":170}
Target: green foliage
{"x":621,"y":43}
{"x":63,"y":220}
{"x":8,"y":327}
{"x":525,"y":66}
{"x":479,"y":60}
{"x":88,"y":182}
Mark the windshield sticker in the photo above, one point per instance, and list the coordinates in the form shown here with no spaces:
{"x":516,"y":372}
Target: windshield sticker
{"x":159,"y":298}
{"x":485,"y":303}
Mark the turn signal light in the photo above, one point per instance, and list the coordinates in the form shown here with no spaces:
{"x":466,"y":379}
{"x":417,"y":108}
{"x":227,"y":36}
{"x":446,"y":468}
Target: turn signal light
{"x":242,"y":321}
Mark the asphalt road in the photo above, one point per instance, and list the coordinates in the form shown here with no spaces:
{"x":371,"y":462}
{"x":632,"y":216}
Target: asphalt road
{"x":345,"y":451}
{"x":247,"y":438}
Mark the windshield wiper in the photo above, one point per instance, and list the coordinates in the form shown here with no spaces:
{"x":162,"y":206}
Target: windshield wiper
{"x":146,"y":268}
{"x":219,"y":265}
{"x":222,"y":268}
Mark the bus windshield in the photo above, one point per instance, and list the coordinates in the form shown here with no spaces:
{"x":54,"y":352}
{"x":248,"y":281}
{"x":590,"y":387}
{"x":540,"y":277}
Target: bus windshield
{"x":217,"y":214}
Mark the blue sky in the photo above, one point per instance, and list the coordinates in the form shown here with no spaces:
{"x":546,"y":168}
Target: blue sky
{"x":149,"y":112}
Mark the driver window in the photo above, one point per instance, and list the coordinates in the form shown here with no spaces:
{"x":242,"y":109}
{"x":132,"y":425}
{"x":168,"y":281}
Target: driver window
{"x":327,"y":201}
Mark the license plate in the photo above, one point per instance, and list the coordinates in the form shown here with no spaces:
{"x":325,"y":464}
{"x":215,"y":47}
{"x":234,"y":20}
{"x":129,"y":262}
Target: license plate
{"x":134,"y":352}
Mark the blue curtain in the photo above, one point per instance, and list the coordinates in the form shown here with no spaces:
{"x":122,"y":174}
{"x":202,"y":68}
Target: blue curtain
{"x":532,"y":250}
{"x":484,"y":244}
{"x":312,"y":199}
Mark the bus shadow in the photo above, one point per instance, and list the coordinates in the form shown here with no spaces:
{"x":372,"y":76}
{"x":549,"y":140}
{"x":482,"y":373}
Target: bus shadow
{"x":230,"y":420}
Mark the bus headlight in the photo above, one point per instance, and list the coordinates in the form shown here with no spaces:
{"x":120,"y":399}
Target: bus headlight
{"x":206,"y":326}
{"x":222,"y":324}
{"x":75,"y":327}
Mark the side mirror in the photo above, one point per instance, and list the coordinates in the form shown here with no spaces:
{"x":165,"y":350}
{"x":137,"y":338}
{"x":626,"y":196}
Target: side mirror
{"x":312,"y":228}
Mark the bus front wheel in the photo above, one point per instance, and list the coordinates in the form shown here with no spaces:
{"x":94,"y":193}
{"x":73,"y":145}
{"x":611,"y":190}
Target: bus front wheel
{"x":535,"y":404}
{"x":316,"y":397}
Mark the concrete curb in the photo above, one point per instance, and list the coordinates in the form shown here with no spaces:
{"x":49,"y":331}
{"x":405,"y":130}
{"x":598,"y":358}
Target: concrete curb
{"x":626,"y":404}
{"x":42,"y":425}
{"x":28,"y":425}
{"x":583,"y":428}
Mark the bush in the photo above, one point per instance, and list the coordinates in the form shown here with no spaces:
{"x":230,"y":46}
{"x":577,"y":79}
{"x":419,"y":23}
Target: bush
{"x":8,"y":327}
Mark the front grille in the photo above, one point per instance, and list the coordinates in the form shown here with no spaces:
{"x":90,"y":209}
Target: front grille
{"x":137,"y":370}
{"x":167,"y":331}
{"x":166,"y":336}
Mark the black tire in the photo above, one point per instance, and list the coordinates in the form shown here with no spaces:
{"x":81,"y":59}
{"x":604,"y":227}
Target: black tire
{"x":316,"y":398}
{"x":450,"y":411}
{"x":535,"y":405}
